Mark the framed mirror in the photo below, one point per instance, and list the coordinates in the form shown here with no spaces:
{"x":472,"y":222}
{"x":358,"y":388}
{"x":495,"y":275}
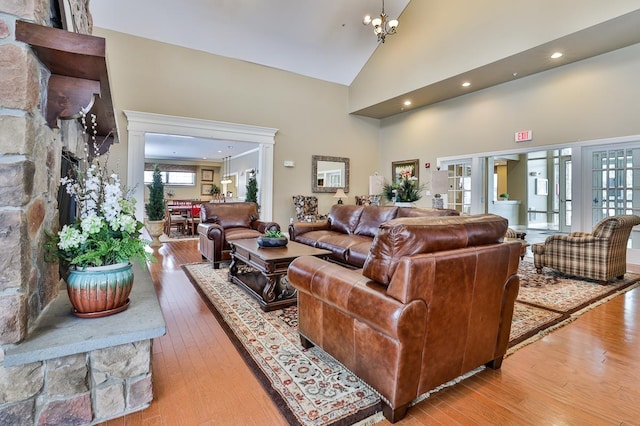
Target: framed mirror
{"x":329,"y":173}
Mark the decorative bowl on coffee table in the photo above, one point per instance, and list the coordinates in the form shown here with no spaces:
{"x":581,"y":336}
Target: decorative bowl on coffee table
{"x":266,"y":242}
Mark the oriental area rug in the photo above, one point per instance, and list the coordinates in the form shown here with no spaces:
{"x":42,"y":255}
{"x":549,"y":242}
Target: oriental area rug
{"x":177,"y":236}
{"x":311,"y":388}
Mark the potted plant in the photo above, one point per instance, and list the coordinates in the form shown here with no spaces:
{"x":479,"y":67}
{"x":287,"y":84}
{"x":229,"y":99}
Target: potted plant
{"x":100,"y":244}
{"x":252,"y":188}
{"x":403,"y":192}
{"x":272,"y":238}
{"x":155,"y":208}
{"x":504,"y":196}
{"x":215,"y":190}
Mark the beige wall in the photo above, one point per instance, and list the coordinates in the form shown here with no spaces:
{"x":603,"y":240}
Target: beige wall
{"x":588,"y":100}
{"x":438,"y":39}
{"x":311,"y":115}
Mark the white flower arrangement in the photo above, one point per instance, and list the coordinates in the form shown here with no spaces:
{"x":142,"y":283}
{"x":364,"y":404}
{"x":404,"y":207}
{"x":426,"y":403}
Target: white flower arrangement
{"x":106,"y":230}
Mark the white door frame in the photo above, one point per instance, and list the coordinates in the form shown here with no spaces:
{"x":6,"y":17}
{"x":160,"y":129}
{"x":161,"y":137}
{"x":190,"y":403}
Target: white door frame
{"x":140,"y":123}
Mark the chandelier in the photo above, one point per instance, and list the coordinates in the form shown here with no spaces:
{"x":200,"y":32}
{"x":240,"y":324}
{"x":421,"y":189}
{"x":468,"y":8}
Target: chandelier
{"x":382,"y":27}
{"x":226,"y":165}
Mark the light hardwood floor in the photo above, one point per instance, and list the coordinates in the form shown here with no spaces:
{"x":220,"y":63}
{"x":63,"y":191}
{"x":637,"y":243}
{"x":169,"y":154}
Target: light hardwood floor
{"x":586,"y":373}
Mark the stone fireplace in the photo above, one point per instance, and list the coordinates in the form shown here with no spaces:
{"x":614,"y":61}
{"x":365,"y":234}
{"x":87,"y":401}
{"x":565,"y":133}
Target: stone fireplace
{"x":91,"y":375}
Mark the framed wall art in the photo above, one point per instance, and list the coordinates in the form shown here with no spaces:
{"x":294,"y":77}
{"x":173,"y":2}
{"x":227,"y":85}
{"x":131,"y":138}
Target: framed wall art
{"x":205,"y":188}
{"x":407,"y":166}
{"x":206,"y":175}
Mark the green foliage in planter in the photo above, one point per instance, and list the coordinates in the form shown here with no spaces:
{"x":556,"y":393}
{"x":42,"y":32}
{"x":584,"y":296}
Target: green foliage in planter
{"x":214,"y":189}
{"x":273,"y":233}
{"x":155,"y":206}
{"x":252,"y":188}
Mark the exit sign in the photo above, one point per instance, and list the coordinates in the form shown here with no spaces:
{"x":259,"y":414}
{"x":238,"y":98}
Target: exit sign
{"x":523,"y":136}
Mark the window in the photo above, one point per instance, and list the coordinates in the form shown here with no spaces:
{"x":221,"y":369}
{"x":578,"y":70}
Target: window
{"x":172,"y":178}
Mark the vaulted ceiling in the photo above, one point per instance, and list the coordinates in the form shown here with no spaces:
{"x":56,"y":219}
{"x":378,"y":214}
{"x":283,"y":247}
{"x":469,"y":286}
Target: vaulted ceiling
{"x":327,"y":40}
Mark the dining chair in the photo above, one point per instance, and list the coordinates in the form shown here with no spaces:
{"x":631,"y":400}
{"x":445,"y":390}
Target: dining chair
{"x":173,"y":220}
{"x":193,"y":218}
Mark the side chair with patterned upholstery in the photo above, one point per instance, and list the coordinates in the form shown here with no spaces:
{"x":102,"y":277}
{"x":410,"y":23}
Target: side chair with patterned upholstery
{"x":600,"y":255}
{"x":306,"y":207}
{"x":368,"y":200}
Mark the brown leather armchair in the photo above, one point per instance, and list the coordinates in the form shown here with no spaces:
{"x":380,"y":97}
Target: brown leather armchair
{"x":435,"y":300}
{"x":224,"y":222}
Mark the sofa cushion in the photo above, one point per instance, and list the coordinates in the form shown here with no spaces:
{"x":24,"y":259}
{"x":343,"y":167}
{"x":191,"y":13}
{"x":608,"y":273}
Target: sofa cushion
{"x":338,"y":244}
{"x":408,"y":236}
{"x":231,"y":234}
{"x":344,"y":218}
{"x":371,"y":217}
{"x":359,"y":252}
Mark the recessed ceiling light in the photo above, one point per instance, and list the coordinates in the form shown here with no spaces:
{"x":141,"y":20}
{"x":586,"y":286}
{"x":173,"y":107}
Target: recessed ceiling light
{"x":466,"y":84}
{"x":556,"y":55}
{"x":407,"y":103}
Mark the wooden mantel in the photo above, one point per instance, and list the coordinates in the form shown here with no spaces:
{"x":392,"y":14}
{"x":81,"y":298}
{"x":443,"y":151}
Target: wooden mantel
{"x":79,"y":77}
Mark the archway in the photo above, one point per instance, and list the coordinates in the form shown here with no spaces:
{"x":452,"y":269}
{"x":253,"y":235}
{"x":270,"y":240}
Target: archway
{"x":140,"y":123}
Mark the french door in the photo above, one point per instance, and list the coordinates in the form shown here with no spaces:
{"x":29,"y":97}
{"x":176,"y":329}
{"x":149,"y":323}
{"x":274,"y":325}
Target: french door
{"x":563,"y":198}
{"x":615,"y":183}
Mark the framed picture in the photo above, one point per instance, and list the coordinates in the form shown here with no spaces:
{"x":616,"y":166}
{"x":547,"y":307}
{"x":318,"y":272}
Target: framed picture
{"x":205,"y":188}
{"x":407,"y":166}
{"x":207,"y":175}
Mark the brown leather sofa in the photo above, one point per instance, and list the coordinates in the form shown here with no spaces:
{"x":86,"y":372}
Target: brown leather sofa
{"x":434,"y":300}
{"x":224,"y":222}
{"x":349,"y":230}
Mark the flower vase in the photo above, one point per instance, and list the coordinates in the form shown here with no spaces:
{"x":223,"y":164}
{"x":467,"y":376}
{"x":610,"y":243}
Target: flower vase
{"x":101,"y":290}
{"x":403,"y":204}
{"x":155,"y":228}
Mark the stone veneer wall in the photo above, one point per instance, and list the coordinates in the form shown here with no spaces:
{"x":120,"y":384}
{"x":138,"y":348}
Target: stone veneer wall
{"x":73,"y":390}
{"x":81,"y":389}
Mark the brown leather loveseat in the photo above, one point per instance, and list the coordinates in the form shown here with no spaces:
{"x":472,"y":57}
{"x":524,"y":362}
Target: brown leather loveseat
{"x":349,"y":230}
{"x":224,"y":222}
{"x":434,"y":300}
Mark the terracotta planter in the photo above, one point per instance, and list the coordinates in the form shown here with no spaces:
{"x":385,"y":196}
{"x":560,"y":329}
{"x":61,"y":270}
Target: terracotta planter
{"x":155,"y":228}
{"x":100,"y":291}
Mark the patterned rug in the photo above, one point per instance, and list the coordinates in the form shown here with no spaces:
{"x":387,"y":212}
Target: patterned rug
{"x":177,"y":236}
{"x":551,"y":298}
{"x":311,"y":388}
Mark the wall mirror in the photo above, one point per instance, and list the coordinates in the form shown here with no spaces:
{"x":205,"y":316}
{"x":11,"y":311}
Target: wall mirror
{"x":329,"y":173}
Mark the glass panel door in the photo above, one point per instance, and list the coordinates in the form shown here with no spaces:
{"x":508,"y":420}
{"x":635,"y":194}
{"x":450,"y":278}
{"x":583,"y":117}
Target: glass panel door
{"x":616,"y":185}
{"x":459,"y":196}
{"x":564,"y":195}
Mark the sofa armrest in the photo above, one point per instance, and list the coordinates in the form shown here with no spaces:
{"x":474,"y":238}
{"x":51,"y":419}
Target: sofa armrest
{"x":299,"y":228}
{"x":353,"y":294}
{"x":262,"y":226}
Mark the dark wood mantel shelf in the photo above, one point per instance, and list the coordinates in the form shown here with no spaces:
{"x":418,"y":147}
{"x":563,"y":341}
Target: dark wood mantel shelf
{"x":79,"y":77}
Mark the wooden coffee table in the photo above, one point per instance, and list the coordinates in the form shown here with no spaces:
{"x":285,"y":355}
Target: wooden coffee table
{"x":266,"y":276}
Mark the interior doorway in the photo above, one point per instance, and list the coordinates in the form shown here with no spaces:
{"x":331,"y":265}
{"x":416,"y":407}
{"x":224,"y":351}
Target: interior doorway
{"x":140,"y":123}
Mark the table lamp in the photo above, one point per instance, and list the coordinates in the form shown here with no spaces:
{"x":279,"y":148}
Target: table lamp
{"x":340,"y":195}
